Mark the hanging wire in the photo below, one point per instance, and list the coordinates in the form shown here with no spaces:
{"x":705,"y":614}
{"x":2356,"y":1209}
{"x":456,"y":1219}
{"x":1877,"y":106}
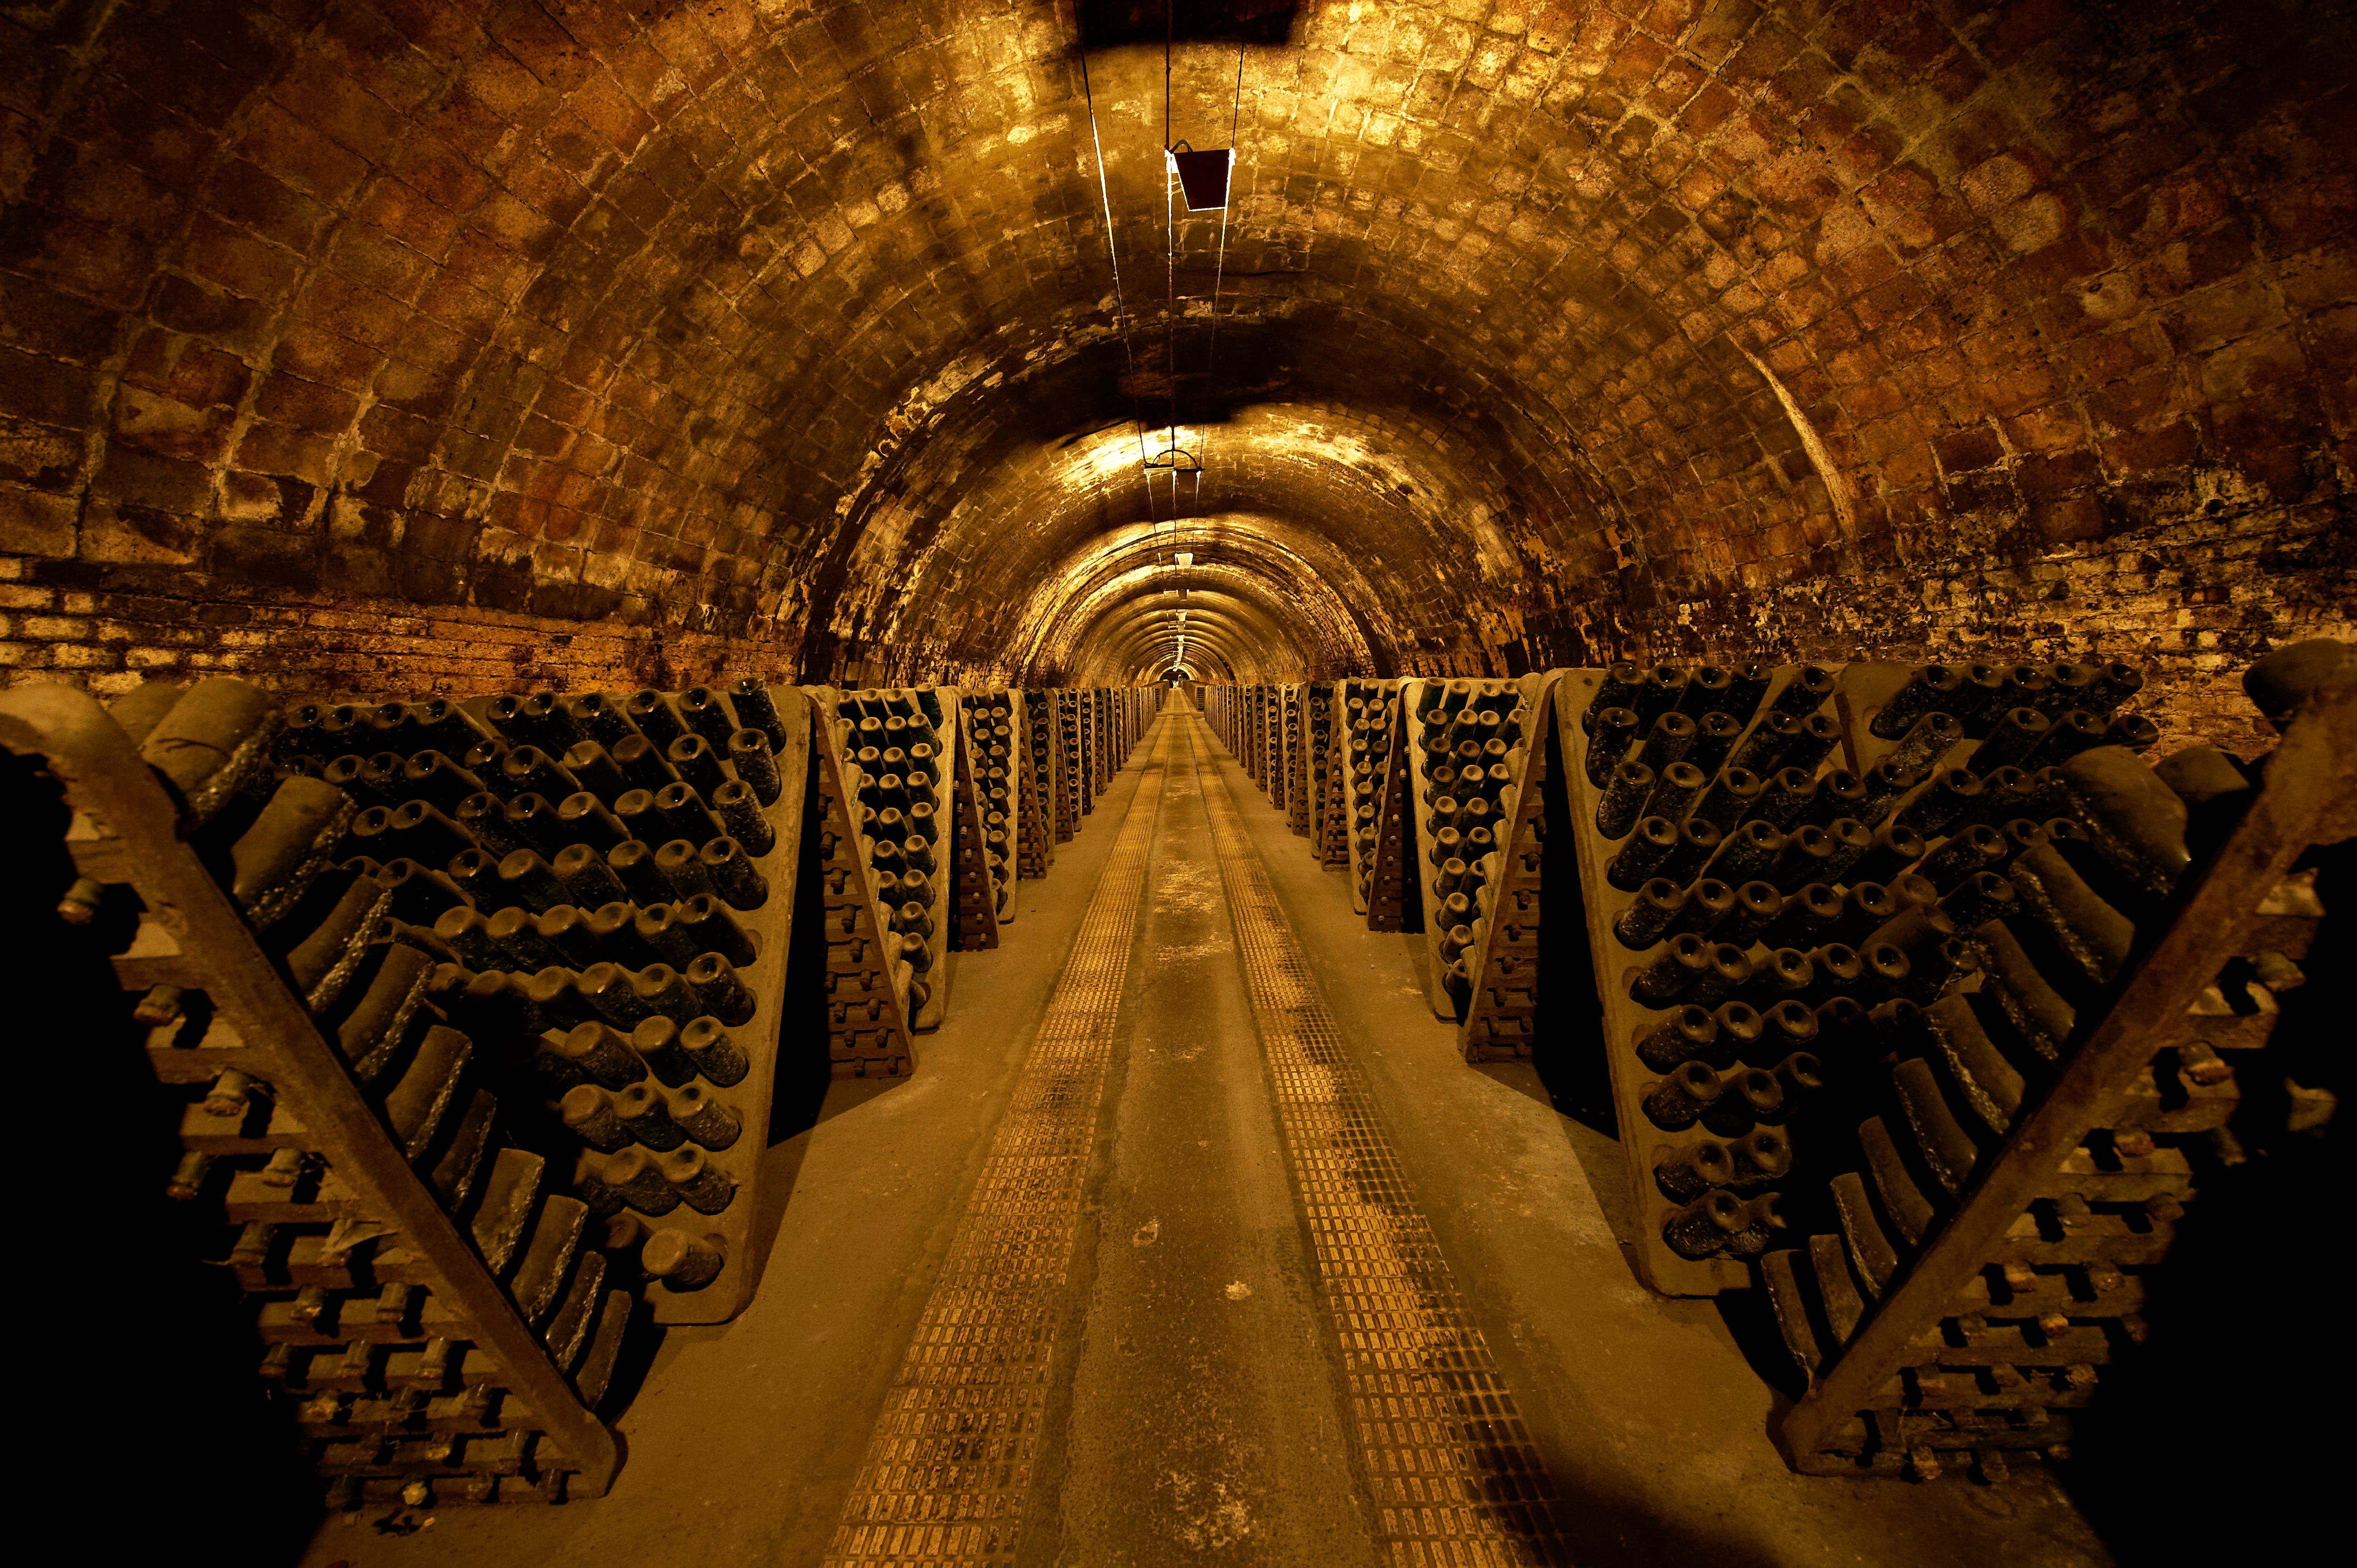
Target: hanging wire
{"x":1120,"y":304}
{"x":1220,"y":272}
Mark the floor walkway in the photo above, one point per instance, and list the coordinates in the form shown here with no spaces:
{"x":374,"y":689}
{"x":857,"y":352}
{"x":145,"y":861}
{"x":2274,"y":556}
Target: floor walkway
{"x":1193,"y":1240}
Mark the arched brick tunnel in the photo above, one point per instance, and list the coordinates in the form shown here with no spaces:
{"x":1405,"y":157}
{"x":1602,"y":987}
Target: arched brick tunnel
{"x":362,"y":345}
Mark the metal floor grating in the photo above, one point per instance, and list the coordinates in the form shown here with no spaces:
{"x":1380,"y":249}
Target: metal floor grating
{"x":1454,"y":1475}
{"x":949,"y":1465}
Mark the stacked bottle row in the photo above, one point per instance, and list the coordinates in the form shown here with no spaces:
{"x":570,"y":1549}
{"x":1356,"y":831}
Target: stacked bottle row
{"x":425,"y":1297}
{"x":1048,"y":770}
{"x":1499,"y":953}
{"x":2081,"y":868}
{"x":897,"y":749}
{"x":1329,"y":763}
{"x":1073,"y":733}
{"x":1375,"y":795}
{"x":1465,"y":749}
{"x":602,"y":945}
{"x":993,"y":724}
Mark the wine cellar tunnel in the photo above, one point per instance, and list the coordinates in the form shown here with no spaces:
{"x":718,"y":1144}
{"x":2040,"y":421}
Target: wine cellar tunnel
{"x":1592,"y":807}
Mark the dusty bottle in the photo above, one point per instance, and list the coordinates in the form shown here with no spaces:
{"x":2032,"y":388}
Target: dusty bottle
{"x":1787,"y":972}
{"x":1884,"y":782}
{"x":209,"y":742}
{"x":1807,"y":915}
{"x":1725,"y":973}
{"x":589,"y":1114}
{"x":1894,"y":847}
{"x":1756,"y":906}
{"x":1762,"y":750}
{"x":1784,"y":799}
{"x":1805,"y":693}
{"x":1698,"y":842}
{"x":1704,"y":1226}
{"x":1682,"y":1096}
{"x":710,"y":928}
{"x":1648,"y":914}
{"x":1686,"y":1173}
{"x":1730,"y":795}
{"x":641,"y":763}
{"x":1760,"y":1222}
{"x":1623,"y":799}
{"x":1747,"y":854}
{"x":1965,"y":854}
{"x":742,"y":818}
{"x":1747,"y":1096}
{"x":2070,"y":734}
{"x":681,"y":1262}
{"x":1675,"y":789}
{"x":1639,"y":858}
{"x":705,"y":1188}
{"x":1759,"y":1156}
{"x":1686,"y":1034}
{"x":1666,"y":741}
{"x":1619,"y":687}
{"x":1931,"y":688}
{"x":1704,"y":906}
{"x":723,"y":994}
{"x":1714,"y":740}
{"x":703,"y":1116}
{"x":1672,"y":972}
{"x":1840,"y":793}
{"x":1949,"y":798}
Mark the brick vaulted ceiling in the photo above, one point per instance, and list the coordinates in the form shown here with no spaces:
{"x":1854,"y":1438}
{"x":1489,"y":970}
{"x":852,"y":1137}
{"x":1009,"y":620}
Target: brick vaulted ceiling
{"x":1534,"y":333}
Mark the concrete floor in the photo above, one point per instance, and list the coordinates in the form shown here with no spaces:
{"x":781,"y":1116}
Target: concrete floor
{"x":1196,"y":1413}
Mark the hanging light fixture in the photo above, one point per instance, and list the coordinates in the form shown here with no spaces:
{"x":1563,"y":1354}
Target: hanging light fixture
{"x":1202,"y":176}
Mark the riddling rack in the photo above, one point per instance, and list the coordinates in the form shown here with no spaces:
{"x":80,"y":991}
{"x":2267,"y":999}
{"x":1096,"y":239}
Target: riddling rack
{"x":476,"y":1003}
{"x":438,"y":1316}
{"x":1920,"y":988}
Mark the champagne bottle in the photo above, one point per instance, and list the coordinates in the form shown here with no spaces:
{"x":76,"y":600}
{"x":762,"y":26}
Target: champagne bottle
{"x":650,"y":712}
{"x":755,"y":709}
{"x":662,"y":990}
{"x":1762,"y":750}
{"x":1784,"y":799}
{"x":1759,"y":1156}
{"x":723,"y":994}
{"x":636,"y":1174}
{"x":1820,"y":734}
{"x":1729,"y":796}
{"x":294,"y":840}
{"x":1672,"y":970}
{"x":589,"y":1114}
{"x":1747,"y":1096}
{"x":1755,"y":907}
{"x":555,"y":993}
{"x":1624,"y":797}
{"x":1704,"y":1226}
{"x":681,"y":1262}
{"x":1808,"y":856}
{"x":1806,"y":918}
{"x":1714,"y":740}
{"x":691,"y":757}
{"x":749,"y":755}
{"x":532,"y":882}
{"x":1675,"y":790}
{"x":1805,"y":693}
{"x":1931,"y":688}
{"x":702,"y":1117}
{"x":1840,"y":793}
{"x":208,"y":744}
{"x":600,"y":718}
{"x":1678,"y":1100}
{"x":533,"y":822}
{"x":1747,"y":854}
{"x":1885,"y":783}
{"x":1638,"y":859}
{"x":1759,"y":1224}
{"x":706,"y":925}
{"x":718,"y":1058}
{"x":529,"y":770}
{"x":1687,"y":1033}
{"x":1893,"y":848}
{"x":705,"y":1186}
{"x":1665,"y":742}
{"x":645,"y":1113}
{"x":1611,"y":732}
{"x":657,"y":1040}
{"x":641,"y":763}
{"x":1686,"y":1173}
{"x":1962,"y":856}
{"x":2070,"y":732}
{"x":1839,"y":973}
{"x":1725,"y":974}
{"x":1738,"y":1025}
{"x":549,"y":721}
{"x":707,"y":715}
{"x":1619,"y":687}
{"x":2011,"y":740}
{"x":658,"y":927}
{"x":1706,"y":903}
{"x":1648,"y":914}
{"x":1698,"y":842}
{"x":683,"y":813}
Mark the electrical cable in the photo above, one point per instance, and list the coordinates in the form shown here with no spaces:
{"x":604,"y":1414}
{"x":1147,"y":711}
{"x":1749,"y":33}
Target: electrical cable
{"x":1120,"y":304}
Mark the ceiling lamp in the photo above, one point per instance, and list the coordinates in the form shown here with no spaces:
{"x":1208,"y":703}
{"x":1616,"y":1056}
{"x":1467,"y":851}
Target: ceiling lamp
{"x":1202,"y":177}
